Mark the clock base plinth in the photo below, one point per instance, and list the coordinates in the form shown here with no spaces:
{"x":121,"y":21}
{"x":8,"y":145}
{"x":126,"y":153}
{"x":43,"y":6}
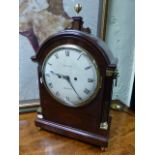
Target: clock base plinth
{"x":85,"y":136}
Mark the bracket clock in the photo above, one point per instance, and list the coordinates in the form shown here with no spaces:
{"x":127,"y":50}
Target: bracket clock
{"x":76,"y":72}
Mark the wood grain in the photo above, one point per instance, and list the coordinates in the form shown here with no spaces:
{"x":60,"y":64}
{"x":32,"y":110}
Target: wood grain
{"x":84,"y":118}
{"x":39,"y":142}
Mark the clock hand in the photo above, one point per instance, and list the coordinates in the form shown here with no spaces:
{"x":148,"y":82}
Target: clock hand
{"x":69,"y":81}
{"x":67,"y":78}
{"x":58,"y":75}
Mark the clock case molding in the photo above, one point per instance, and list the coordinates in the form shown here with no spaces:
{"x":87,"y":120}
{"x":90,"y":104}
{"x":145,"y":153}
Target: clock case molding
{"x":89,"y":123}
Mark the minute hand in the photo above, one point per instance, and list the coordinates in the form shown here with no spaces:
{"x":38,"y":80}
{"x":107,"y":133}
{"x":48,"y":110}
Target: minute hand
{"x":69,"y":81}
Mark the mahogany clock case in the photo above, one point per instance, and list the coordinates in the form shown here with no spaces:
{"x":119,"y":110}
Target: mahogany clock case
{"x":81,"y":123}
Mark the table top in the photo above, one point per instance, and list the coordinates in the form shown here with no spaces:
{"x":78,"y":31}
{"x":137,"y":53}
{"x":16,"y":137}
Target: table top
{"x":39,"y":142}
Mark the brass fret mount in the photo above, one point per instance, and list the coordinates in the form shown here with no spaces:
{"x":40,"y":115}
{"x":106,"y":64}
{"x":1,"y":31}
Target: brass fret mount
{"x":112,"y":73}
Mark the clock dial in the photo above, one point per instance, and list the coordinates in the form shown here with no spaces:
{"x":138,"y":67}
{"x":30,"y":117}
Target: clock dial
{"x":71,"y":75}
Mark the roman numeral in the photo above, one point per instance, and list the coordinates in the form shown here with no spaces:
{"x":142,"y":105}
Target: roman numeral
{"x":79,"y":56}
{"x":90,"y":80}
{"x":56,"y":55}
{"x":51,"y":85}
{"x":57,"y":93}
{"x":67,"y":98}
{"x":67,"y":53}
{"x":49,"y":64}
{"x":86,"y":91}
{"x":47,"y":75}
{"x":88,"y":67}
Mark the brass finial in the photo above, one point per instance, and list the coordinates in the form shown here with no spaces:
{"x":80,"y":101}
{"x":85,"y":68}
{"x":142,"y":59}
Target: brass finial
{"x":78,"y":7}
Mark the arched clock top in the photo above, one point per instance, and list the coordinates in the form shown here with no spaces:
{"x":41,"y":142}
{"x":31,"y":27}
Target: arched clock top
{"x":94,"y":45}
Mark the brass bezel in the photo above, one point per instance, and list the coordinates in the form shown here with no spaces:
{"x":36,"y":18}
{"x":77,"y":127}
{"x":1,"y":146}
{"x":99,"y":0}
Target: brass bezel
{"x":99,"y":81}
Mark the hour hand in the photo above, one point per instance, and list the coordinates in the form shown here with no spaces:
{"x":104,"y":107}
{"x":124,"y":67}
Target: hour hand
{"x":58,"y":75}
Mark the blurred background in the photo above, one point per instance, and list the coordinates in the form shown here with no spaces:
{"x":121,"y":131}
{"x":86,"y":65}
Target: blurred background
{"x":55,"y":15}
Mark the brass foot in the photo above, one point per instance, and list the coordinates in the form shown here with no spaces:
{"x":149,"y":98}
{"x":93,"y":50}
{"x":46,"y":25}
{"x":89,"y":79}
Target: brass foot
{"x":39,"y":128}
{"x":103,"y":149}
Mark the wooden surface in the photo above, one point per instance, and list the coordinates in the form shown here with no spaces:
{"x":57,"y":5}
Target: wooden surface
{"x":39,"y":142}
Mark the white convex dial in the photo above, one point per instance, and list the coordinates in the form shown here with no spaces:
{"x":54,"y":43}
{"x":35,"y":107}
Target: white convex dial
{"x":71,"y":75}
